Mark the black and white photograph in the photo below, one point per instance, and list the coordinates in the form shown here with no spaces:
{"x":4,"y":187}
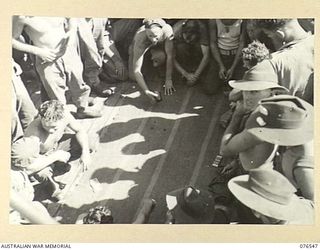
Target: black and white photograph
{"x":162,"y":121}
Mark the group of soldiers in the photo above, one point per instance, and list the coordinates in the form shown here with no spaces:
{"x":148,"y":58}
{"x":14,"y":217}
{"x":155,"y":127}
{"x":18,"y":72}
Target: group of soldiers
{"x":264,"y":66}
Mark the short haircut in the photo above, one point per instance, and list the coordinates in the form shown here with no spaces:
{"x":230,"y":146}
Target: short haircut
{"x":271,"y":24}
{"x":52,"y":110}
{"x":157,"y":22}
{"x":255,"y":53}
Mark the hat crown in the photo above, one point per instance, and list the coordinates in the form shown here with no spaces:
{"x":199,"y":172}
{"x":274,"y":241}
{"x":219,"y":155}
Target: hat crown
{"x":271,"y":185}
{"x":283,"y":112}
{"x":261,"y":72}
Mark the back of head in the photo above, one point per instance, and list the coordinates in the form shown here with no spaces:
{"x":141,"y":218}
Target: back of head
{"x":98,"y":215}
{"x":255,"y":52}
{"x":52,"y":110}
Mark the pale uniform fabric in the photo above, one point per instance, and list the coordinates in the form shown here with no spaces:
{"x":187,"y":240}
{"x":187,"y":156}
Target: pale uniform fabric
{"x":294,"y":64}
{"x":307,"y":216}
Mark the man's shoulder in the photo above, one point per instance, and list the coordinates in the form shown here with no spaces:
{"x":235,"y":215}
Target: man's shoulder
{"x":34,"y":128}
{"x":140,"y":35}
{"x":296,"y":53}
{"x":168,"y":31}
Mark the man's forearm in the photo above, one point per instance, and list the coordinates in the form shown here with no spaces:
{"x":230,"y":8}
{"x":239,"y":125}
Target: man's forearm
{"x":141,"y":82}
{"x":169,"y":50}
{"x":169,"y":67}
{"x":216,"y":55}
{"x":237,"y":56}
{"x":179,"y":67}
{"x":230,"y":131}
{"x":42,"y":162}
{"x":16,"y":44}
{"x":202,"y":65}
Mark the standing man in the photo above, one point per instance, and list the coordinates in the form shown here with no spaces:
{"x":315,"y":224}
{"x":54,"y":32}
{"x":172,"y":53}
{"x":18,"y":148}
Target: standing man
{"x":57,"y":60}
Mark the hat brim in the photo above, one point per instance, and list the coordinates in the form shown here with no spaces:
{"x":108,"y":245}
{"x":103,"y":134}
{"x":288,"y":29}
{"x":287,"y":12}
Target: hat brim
{"x":183,"y":218}
{"x":255,"y":85}
{"x":286,"y":137}
{"x":289,"y":212}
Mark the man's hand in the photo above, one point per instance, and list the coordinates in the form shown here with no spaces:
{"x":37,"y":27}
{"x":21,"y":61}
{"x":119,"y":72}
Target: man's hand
{"x":168,"y":87}
{"x":47,"y":55}
{"x":229,"y":168}
{"x":85,"y":160}
{"x":240,"y":110}
{"x":45,"y":173}
{"x":121,"y":70}
{"x":222,"y":73}
{"x":62,"y":156}
{"x":229,"y":73}
{"x":191,"y":79}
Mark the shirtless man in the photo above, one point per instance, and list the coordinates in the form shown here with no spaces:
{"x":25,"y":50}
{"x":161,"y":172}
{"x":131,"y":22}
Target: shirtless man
{"x":154,"y":34}
{"x":57,"y":61}
{"x":256,"y":85}
{"x":51,"y":125}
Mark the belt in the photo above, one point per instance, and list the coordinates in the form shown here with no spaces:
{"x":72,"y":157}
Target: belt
{"x":228,"y":52}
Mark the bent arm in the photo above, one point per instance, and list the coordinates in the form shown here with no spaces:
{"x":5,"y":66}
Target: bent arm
{"x":234,"y":144}
{"x":17,"y":28}
{"x":42,"y":162}
{"x":233,"y":141}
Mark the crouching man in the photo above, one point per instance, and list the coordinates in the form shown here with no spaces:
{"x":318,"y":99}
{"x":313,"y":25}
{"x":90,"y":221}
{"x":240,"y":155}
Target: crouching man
{"x":52,"y":127}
